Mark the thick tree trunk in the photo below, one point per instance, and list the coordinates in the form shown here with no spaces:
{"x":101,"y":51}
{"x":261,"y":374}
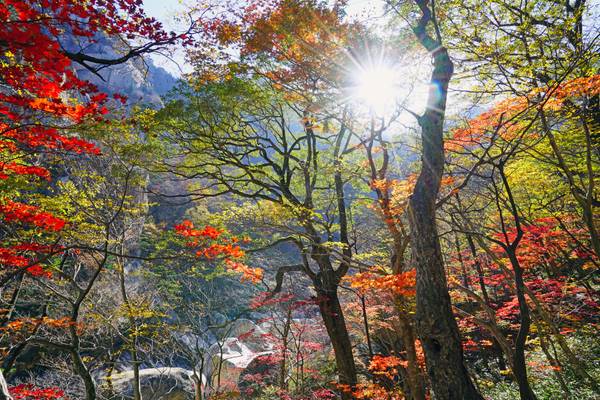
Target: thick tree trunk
{"x":435,"y":322}
{"x":436,"y":326}
{"x":333,"y":318}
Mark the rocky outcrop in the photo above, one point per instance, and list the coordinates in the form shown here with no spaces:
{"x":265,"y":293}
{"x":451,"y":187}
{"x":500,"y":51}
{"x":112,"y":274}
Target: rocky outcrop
{"x":138,"y":78}
{"x":232,"y":358}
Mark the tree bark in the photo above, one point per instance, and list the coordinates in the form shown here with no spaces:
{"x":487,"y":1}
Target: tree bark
{"x":4,"y":395}
{"x":435,"y":321}
{"x":84,"y":374}
{"x":406,"y":333}
{"x":333,"y":319}
{"x":519,"y":366}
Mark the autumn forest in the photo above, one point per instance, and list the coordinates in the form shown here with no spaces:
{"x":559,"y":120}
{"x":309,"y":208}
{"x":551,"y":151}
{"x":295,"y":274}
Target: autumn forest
{"x":299,"y":199}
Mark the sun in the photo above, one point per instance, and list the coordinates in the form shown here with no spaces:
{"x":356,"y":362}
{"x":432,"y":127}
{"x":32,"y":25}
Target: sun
{"x":376,"y":87}
{"x":387,"y":87}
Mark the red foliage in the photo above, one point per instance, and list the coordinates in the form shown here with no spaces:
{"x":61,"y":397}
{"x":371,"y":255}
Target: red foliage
{"x":545,"y":243}
{"x":24,"y":213}
{"x":323,"y":394}
{"x":19,"y":256}
{"x":547,"y":252}
{"x":42,"y":96}
{"x":19,"y":169}
{"x":204,"y":242}
{"x":186,"y":228}
{"x":265,"y":299}
{"x":37,"y":73}
{"x":30,"y":392}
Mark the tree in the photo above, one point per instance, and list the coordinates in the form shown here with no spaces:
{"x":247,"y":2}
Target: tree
{"x":252,"y":148}
{"x":43,"y":104}
{"x":435,"y":326}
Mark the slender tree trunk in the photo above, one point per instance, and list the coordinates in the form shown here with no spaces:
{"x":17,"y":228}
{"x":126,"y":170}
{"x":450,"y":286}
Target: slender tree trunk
{"x":519,"y":366}
{"x":220,"y":366}
{"x":4,"y":395}
{"x":137,"y":387}
{"x":463,"y":268}
{"x":510,"y":247}
{"x":137,"y":392}
{"x":405,"y":330}
{"x":197,"y":386}
{"x":110,"y":390}
{"x":84,"y":374}
{"x":284,"y":350}
{"x":80,"y":368}
{"x":583,"y":197}
{"x":545,"y":317}
{"x":480,"y":278}
{"x":363,"y":306}
{"x":435,"y":323}
{"x":555,"y":366}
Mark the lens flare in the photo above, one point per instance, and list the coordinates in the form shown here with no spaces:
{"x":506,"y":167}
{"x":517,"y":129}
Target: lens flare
{"x":376,"y":87}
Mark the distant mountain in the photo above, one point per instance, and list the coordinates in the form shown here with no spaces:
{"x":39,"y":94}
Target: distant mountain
{"x":138,"y":79}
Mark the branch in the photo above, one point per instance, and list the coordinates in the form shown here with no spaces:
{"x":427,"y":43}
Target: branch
{"x":281,"y":271}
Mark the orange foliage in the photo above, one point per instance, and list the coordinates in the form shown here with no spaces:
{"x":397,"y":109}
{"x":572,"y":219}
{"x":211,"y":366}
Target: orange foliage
{"x":386,"y":365}
{"x":371,"y":391}
{"x":508,"y":116}
{"x":29,"y":324}
{"x":186,"y":228}
{"x":401,"y":284}
{"x":254,"y":275}
{"x":304,"y":38}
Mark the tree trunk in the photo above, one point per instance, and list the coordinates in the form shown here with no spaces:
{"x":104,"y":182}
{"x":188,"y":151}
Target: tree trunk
{"x":4,"y":395}
{"x":435,"y":321}
{"x":197,"y":386}
{"x":407,"y":335}
{"x":84,"y":374}
{"x":285,"y":344}
{"x":137,"y":390}
{"x":497,"y":349}
{"x":436,"y":326}
{"x":333,"y":318}
{"x":137,"y":386}
{"x":556,"y":368}
{"x":519,"y":366}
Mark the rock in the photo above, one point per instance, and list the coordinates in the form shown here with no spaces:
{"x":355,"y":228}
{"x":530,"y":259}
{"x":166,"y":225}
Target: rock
{"x":260,"y":372}
{"x":159,"y":383}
